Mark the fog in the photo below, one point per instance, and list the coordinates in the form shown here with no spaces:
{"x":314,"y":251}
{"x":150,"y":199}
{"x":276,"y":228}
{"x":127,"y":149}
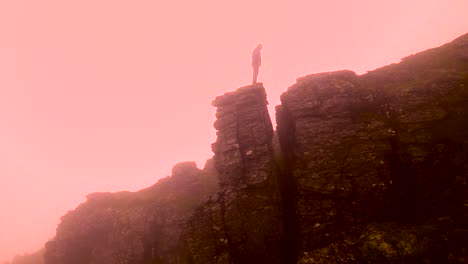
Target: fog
{"x":108,"y":96}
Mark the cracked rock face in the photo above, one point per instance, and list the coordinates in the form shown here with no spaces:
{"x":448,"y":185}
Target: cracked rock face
{"x":243,"y":149}
{"x":242,"y":223}
{"x":338,"y":165}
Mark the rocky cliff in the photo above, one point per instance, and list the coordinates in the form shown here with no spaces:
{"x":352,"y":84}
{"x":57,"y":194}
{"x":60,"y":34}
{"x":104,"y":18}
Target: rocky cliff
{"x":369,"y":169}
{"x":141,"y":227}
{"x":376,"y":165}
{"x":242,"y":223}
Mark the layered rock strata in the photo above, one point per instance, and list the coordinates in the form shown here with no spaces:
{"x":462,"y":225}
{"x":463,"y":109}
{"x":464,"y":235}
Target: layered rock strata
{"x":242,"y":223}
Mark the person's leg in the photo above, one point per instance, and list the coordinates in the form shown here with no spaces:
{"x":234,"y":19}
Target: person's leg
{"x":255,"y":75}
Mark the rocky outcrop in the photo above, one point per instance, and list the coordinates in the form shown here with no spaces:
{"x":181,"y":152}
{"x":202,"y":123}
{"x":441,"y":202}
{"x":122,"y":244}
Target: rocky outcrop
{"x":364,"y":169}
{"x":185,"y":218}
{"x":388,"y":147}
{"x":141,"y":227}
{"x":242,"y":223}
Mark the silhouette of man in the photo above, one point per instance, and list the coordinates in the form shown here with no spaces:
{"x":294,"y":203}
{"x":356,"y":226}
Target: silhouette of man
{"x":256,"y":61}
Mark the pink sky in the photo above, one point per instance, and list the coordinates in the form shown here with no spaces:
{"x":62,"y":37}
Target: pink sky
{"x":107,"y":95}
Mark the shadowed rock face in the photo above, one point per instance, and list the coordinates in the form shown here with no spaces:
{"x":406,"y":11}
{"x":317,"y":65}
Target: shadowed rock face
{"x":339,"y":170}
{"x":386,"y":147}
{"x":370,"y":169}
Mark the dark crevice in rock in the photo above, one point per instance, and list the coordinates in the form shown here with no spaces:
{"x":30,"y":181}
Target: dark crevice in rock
{"x":284,"y":159}
{"x":405,"y":189}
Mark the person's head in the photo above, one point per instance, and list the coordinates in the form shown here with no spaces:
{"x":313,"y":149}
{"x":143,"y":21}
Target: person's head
{"x":259,"y":46}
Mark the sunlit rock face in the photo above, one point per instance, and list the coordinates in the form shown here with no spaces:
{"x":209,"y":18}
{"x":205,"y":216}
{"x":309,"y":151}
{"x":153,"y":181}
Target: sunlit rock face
{"x":141,"y":227}
{"x":242,"y":223}
{"x":377,"y":163}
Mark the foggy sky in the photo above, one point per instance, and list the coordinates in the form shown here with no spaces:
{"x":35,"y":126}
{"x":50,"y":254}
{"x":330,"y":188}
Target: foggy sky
{"x":109,"y":95}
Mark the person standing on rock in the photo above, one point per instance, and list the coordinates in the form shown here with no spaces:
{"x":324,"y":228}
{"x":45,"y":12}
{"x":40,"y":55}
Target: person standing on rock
{"x":256,"y":61}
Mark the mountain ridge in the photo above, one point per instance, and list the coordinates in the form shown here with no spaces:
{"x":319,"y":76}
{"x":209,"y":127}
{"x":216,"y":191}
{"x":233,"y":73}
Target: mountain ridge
{"x":366,"y":168}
